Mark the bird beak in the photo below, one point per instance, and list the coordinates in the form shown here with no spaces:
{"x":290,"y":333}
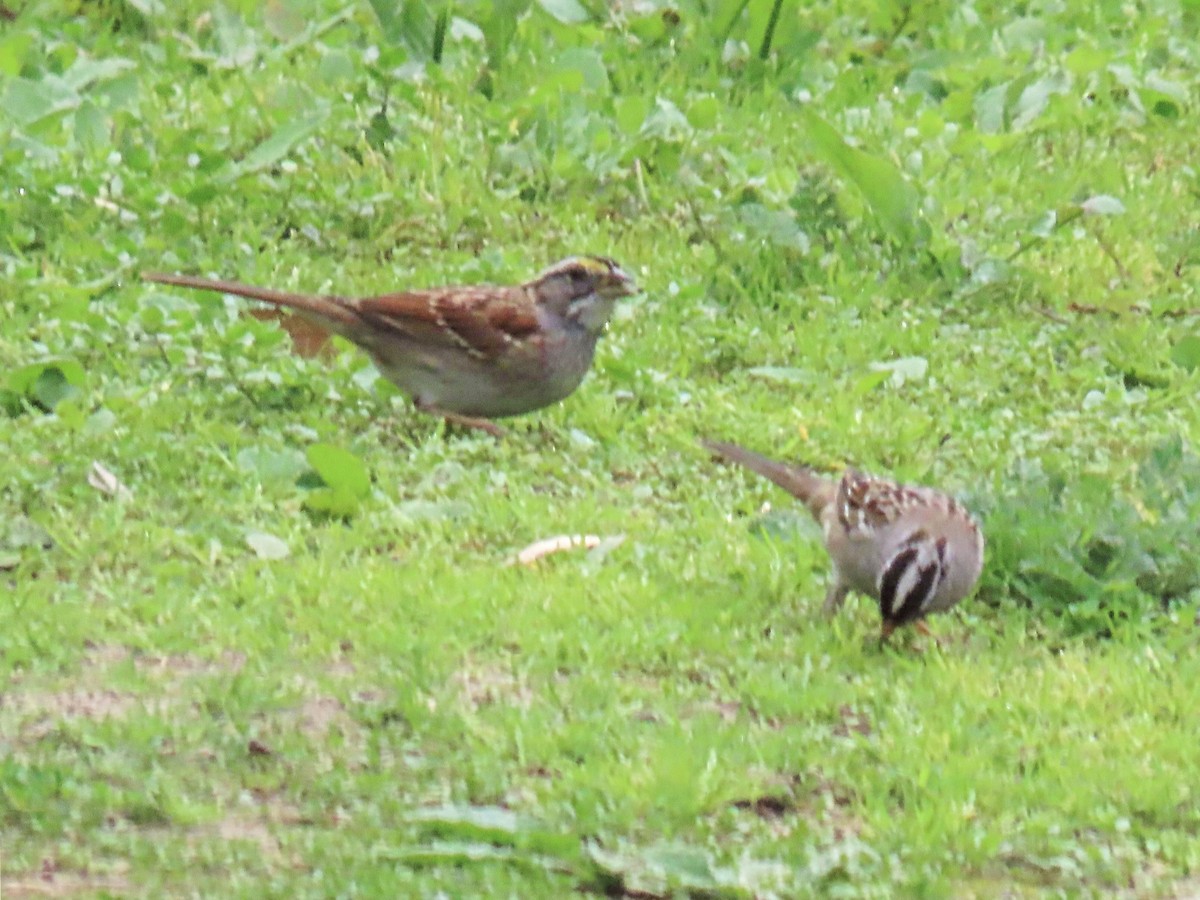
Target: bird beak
{"x":621,"y":283}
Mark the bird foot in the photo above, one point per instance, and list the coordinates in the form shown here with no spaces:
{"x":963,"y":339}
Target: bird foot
{"x":452,"y":418}
{"x":486,"y":425}
{"x":919,"y":626}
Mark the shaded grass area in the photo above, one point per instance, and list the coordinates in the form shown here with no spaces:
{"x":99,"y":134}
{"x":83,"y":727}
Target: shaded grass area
{"x":392,"y":708}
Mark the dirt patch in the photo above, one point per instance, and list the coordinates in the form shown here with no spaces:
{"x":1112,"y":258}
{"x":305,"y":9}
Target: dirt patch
{"x":50,"y":881}
{"x":254,"y":824}
{"x":102,"y":656}
{"x":851,"y":722}
{"x":72,"y":704}
{"x":319,"y":715}
{"x":812,"y":799}
{"x":730,"y":711}
{"x":1187,"y":889}
{"x":768,"y":806}
{"x":230,"y":662}
{"x":248,"y":830}
{"x":45,"y":711}
{"x":481,"y":685}
{"x":726,"y":710}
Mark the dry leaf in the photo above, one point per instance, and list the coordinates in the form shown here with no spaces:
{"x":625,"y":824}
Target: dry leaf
{"x":308,"y":338}
{"x":258,"y":748}
{"x":560,"y":544}
{"x":106,"y":482}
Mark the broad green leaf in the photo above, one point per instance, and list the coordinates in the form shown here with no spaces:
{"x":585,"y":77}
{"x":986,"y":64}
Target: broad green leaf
{"x":87,"y":71}
{"x":1186,"y":353}
{"x":702,"y":113}
{"x":894,"y":201}
{"x":660,"y":868}
{"x":453,"y":853}
{"x":238,"y":43}
{"x":285,"y":20}
{"x":333,"y":501}
{"x":464,"y":853}
{"x":102,"y":421}
{"x":870,"y":382}
{"x":22,"y":378}
{"x":336,"y":66}
{"x":21,"y":531}
{"x":1102,"y":205}
{"x":51,"y":388}
{"x":13,"y":50}
{"x":390,"y":16}
{"x":27,"y":101}
{"x":267,"y":546}
{"x":776,"y":226}
{"x":1174,"y":90}
{"x":500,"y":28}
{"x":589,"y":63}
{"x":990,"y":106}
{"x":69,"y":410}
{"x":904,"y":369}
{"x":91,"y":126}
{"x":495,"y":824}
{"x":12,"y":403}
{"x":1035,"y":97}
{"x":630,"y":112}
{"x":782,"y":374}
{"x":569,"y":12}
{"x":476,"y":821}
{"x":431,"y":510}
{"x":666,"y":121}
{"x":272,"y":465}
{"x":414,"y":24}
{"x":340,"y":469}
{"x":689,"y":866}
{"x":1084,"y":60}
{"x":276,"y":147}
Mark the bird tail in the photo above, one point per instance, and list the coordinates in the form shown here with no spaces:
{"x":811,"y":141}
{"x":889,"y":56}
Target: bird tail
{"x":812,"y":489}
{"x":335,"y":313}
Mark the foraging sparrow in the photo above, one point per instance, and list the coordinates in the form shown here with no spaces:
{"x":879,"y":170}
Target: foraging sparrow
{"x":469,"y":354}
{"x":913,"y":549}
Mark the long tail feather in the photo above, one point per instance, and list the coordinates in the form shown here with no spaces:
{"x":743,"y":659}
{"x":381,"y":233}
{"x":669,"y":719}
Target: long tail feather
{"x":334,"y":311}
{"x":813,"y":490}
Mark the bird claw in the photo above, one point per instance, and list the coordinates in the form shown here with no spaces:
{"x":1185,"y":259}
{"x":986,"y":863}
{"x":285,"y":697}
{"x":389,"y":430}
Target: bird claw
{"x":486,"y":425}
{"x":452,"y":418}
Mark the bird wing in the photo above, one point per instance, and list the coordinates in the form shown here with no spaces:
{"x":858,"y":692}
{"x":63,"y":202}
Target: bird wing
{"x":483,"y":321}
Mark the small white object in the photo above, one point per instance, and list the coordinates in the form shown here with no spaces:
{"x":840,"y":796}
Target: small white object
{"x":103,"y":480}
{"x":560,"y":544}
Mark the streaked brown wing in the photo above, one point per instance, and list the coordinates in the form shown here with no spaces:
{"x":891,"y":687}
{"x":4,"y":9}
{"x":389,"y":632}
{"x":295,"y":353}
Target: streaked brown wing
{"x":484,"y":321}
{"x":865,"y":503}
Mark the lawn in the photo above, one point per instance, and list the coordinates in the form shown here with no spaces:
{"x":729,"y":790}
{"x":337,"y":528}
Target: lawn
{"x":261,"y":633}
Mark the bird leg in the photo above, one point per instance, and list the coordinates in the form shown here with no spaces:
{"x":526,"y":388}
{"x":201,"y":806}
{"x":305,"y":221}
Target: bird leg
{"x":452,"y":418}
{"x":919,"y":626}
{"x":835,"y":596}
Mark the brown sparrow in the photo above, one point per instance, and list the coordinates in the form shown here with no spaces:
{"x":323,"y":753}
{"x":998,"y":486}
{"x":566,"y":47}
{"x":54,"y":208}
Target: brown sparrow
{"x":469,"y":354}
{"x":912,"y":549}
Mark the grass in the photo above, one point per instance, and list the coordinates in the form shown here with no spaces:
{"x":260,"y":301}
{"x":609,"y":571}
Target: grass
{"x":975,"y":269}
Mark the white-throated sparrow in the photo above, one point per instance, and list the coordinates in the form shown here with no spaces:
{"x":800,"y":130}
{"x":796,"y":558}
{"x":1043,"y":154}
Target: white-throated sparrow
{"x":469,"y":354}
{"x":912,"y":549}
